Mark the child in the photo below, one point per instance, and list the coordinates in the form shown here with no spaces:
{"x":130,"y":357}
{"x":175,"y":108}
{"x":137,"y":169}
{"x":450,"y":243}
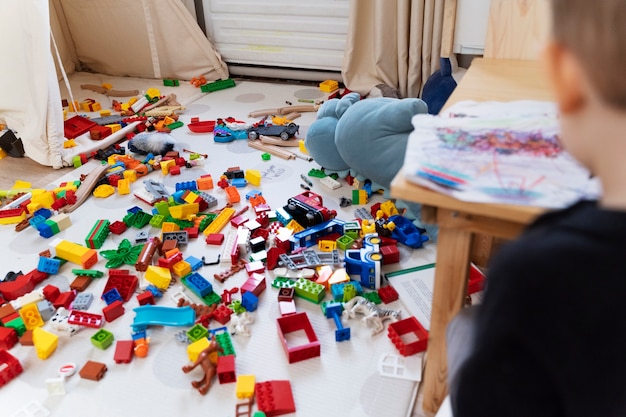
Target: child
{"x":549,"y":338}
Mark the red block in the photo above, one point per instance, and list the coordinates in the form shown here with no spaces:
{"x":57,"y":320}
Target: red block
{"x":391,"y":254}
{"x":293,"y":323}
{"x":256,"y":284}
{"x":64,"y":299}
{"x":145,"y":297}
{"x":226,"y":369}
{"x":387,"y":294}
{"x":8,"y":337}
{"x":222,"y":314}
{"x":10,"y":367}
{"x":398,"y":329}
{"x":274,"y":398}
{"x":113,"y":310}
{"x":215,"y":239}
{"x":123,"y":351}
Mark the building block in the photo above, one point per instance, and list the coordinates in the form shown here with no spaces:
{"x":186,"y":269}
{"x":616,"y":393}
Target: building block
{"x":75,"y":253}
{"x":10,"y":367}
{"x":123,"y":282}
{"x":388,"y":294}
{"x":226,"y":369}
{"x":8,"y":338}
{"x":333,"y":310}
{"x":293,"y":323}
{"x":275,"y":398}
{"x":64,"y":299}
{"x":123,"y":351}
{"x":45,"y":342}
{"x":84,"y":318}
{"x":197,"y":332}
{"x":145,"y":298}
{"x":31,"y":317}
{"x":249,"y":301}
{"x":93,"y":370}
{"x":245,"y":386}
{"x":82,"y":301}
{"x":256,"y":284}
{"x":48,"y":265}
{"x":195,"y":348}
{"x":102,"y":339}
{"x":159,"y":276}
{"x":409,"y":326}
{"x":113,"y":311}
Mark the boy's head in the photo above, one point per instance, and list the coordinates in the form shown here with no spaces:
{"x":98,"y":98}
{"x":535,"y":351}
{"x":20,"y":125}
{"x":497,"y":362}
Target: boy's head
{"x":594,"y":32}
{"x":585,"y":59}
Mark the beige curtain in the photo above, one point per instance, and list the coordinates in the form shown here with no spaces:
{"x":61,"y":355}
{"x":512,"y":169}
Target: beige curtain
{"x":397,"y":43}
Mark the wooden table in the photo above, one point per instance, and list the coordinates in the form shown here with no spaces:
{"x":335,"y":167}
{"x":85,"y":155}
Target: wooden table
{"x":463,"y":226}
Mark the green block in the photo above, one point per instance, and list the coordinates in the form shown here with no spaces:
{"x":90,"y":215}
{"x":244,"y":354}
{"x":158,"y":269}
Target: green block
{"x":77,"y":162}
{"x":54,"y":227}
{"x":226,"y":343}
{"x":197,"y":332}
{"x":174,"y":125}
{"x":162,"y":207}
{"x":92,"y":273}
{"x":141,"y":219}
{"x":157,"y":221}
{"x":317,"y":173}
{"x":171,"y":82}
{"x":310,"y":290}
{"x":345,"y":242}
{"x":17,"y":324}
{"x":282,"y":282}
{"x":102,"y":339}
{"x":209,"y":299}
{"x":266,"y":156}
{"x":237,"y":307}
{"x":206,"y":221}
{"x":373,"y":297}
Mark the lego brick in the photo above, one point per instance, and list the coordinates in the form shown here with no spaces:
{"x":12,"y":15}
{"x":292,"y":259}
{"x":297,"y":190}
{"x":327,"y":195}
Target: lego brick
{"x":93,"y":370}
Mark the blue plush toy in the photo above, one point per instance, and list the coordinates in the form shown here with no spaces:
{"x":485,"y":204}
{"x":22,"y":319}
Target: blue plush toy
{"x":366,"y":139}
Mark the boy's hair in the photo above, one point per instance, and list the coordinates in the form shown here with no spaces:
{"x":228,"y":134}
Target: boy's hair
{"x":595,"y":32}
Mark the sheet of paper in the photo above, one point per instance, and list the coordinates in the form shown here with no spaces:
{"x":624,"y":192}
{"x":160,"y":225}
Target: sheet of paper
{"x":480,"y":155}
{"x":415,"y":289}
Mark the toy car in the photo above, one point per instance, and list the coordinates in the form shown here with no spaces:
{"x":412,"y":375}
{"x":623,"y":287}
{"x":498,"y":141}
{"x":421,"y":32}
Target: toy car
{"x":284,"y":132}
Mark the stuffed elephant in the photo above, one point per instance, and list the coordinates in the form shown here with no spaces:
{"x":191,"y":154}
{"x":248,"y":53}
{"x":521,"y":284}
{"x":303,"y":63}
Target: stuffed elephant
{"x":365,"y":139}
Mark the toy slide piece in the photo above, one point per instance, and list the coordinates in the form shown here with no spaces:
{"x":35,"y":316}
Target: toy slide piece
{"x":163,"y":316}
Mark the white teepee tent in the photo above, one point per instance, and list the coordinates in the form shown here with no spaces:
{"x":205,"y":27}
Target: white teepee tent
{"x":52,"y":47}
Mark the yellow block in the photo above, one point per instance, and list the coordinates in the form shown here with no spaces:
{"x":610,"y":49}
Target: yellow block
{"x":301,"y":147}
{"x":245,"y":386}
{"x":159,"y":276}
{"x":123,"y":186}
{"x":153,"y":93}
{"x":130,"y":175}
{"x":114,"y":127}
{"x":20,"y":185}
{"x":70,"y":143}
{"x":169,"y":227}
{"x":3,"y":154}
{"x":194,"y":349}
{"x":181,"y":268}
{"x":31,"y":317}
{"x":105,"y":113}
{"x":45,"y":342}
{"x":183,"y":211}
{"x":75,"y":253}
{"x":165,"y":166}
{"x":253,"y":176}
{"x":220,"y":221}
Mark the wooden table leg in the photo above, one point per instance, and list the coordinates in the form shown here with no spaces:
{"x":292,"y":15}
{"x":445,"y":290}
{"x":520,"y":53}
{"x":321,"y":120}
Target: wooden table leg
{"x":452,"y":265}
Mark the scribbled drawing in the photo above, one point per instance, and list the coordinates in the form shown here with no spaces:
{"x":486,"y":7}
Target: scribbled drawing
{"x":505,"y":160}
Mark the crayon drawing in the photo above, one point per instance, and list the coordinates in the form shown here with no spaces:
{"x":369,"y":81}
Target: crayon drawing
{"x":514,"y":160}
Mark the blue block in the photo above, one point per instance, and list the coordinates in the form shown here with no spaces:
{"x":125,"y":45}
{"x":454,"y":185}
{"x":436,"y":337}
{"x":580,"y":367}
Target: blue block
{"x":156,"y":293}
{"x":49,"y":265}
{"x":252,"y":193}
{"x":45,"y":230}
{"x":133,"y":210}
{"x":249,"y":301}
{"x":186,"y":185}
{"x":43,"y":212}
{"x":198,"y":284}
{"x":194,"y":262}
{"x":337,"y":289}
{"x":112,"y":295}
{"x":239,"y":182}
{"x":35,"y":221}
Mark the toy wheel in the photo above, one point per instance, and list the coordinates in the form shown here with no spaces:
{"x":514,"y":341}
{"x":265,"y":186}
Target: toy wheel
{"x":374,"y":240}
{"x":284,"y":135}
{"x":253,"y":135}
{"x":376,"y":257}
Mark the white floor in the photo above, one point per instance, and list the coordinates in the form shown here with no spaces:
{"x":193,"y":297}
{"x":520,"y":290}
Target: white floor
{"x":344,"y":380}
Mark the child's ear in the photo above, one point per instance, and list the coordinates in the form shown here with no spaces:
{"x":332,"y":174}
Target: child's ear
{"x":565,"y":74}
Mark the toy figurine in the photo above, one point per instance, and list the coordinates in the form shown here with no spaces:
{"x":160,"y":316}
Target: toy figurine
{"x":207,"y":359}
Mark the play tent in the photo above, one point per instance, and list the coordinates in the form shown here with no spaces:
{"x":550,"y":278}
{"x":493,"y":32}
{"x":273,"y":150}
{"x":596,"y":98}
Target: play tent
{"x":52,"y":48}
